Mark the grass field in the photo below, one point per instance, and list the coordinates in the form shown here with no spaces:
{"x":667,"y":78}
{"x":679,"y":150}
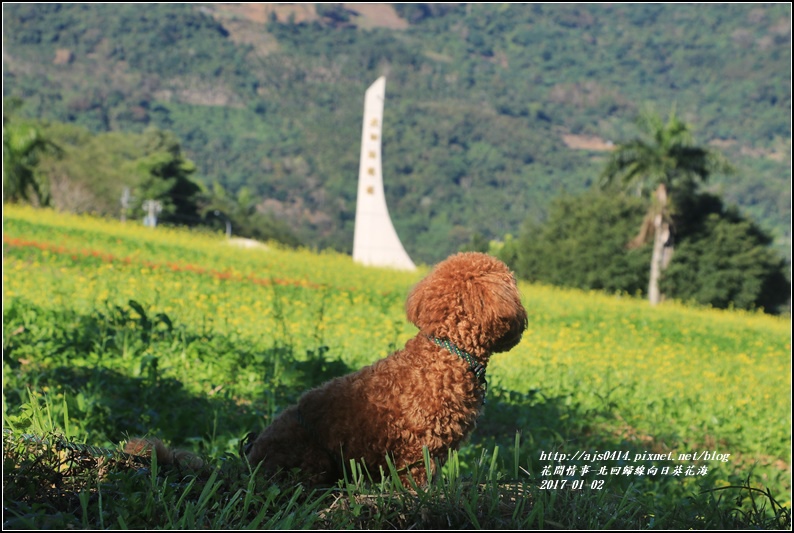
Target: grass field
{"x":609,"y":413}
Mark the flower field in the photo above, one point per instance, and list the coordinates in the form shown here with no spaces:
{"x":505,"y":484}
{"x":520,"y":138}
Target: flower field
{"x":122,"y":329}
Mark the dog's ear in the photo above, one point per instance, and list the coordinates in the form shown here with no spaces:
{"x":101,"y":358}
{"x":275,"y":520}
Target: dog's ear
{"x":415,"y":304}
{"x":435,"y":301}
{"x":504,"y":317}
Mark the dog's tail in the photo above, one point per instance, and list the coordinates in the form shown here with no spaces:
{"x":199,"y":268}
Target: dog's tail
{"x":165,"y":455}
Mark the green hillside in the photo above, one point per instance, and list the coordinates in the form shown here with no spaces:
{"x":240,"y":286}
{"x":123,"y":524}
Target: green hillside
{"x":491,"y":110}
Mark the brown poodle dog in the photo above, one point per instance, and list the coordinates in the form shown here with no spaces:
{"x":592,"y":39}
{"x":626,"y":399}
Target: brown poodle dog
{"x":428,"y":394}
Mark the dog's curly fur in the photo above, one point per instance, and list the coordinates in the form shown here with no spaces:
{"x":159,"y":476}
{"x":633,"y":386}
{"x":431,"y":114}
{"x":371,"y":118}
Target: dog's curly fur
{"x":421,"y":396}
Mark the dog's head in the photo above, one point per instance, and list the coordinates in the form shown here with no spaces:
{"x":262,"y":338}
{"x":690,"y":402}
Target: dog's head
{"x":471,"y":299}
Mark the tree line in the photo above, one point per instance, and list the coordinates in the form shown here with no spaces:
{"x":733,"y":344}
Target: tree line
{"x":115,"y":174}
{"x":700,"y":250}
{"x":478,"y":98}
{"x":648,"y":229}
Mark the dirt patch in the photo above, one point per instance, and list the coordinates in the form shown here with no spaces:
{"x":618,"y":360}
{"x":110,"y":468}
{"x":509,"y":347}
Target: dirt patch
{"x":244,"y":21}
{"x":367,"y":15}
{"x":246,"y":243}
{"x":587,"y":142}
{"x":261,"y":13}
{"x":377,"y":16}
{"x":247,"y":32}
{"x":63,"y":57}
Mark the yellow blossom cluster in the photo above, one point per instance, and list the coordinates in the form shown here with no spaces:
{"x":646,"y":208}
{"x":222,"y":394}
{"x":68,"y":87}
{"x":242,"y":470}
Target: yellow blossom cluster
{"x":702,"y":375}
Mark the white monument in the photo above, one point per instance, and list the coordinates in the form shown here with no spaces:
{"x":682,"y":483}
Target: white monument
{"x":375,"y":242}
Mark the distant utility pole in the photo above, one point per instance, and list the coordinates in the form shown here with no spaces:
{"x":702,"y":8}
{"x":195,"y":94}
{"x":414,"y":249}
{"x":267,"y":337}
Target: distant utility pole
{"x":152,"y":208}
{"x":126,"y":198}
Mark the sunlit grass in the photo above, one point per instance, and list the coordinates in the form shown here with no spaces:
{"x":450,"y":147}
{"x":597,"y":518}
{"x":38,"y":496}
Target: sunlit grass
{"x":667,"y":378}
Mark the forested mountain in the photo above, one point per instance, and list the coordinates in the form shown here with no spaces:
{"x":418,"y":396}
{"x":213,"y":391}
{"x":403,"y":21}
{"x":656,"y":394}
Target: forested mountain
{"x":492,"y":110}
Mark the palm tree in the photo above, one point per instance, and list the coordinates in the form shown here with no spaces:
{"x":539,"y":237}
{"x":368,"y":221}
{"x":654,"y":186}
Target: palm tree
{"x":664,"y":163}
{"x":23,"y":145}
